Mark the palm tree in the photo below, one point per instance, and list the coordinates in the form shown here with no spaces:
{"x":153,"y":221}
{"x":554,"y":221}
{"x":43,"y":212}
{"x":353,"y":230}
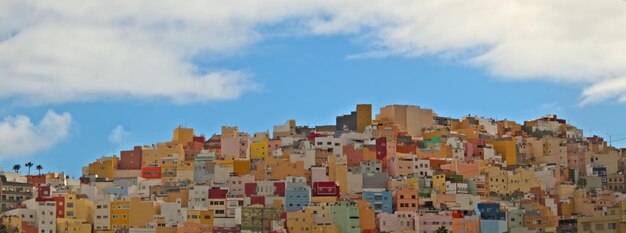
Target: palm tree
{"x":29,"y":165}
{"x":39,"y":168}
{"x":442,"y":229}
{"x":16,"y":168}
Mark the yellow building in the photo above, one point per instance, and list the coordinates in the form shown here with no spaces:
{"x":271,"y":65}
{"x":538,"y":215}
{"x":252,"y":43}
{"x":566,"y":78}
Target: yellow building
{"x":168,"y":172}
{"x":439,"y":183}
{"x":506,"y":182}
{"x":153,"y":156}
{"x":104,"y":231}
{"x":507,"y":148}
{"x":241,"y":167}
{"x":79,"y":207}
{"x":229,"y":131}
{"x":258,"y":150}
{"x":363,"y":116}
{"x":338,"y":173}
{"x":366,"y":216}
{"x":300,"y":222}
{"x":104,"y":167}
{"x":611,"y":220}
{"x":204,"y":217}
{"x":185,"y":171}
{"x":120,"y":214}
{"x":141,"y":212}
{"x":183,"y":135}
{"x":329,"y":228}
{"x":71,"y":225}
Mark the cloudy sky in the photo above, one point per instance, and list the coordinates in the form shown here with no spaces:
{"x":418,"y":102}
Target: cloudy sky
{"x":82,"y":79}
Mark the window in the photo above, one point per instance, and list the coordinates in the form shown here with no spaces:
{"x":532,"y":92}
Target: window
{"x":612,"y":226}
{"x":600,"y":227}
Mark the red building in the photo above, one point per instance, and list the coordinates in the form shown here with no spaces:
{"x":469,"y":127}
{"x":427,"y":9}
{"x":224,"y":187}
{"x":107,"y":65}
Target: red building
{"x":60,"y":201}
{"x":217,"y":193}
{"x":131,"y":159}
{"x":381,"y":148}
{"x":36,"y":180}
{"x":325,"y":188}
{"x":151,"y":172}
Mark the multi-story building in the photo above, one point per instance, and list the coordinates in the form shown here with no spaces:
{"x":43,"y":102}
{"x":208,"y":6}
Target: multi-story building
{"x":13,"y":194}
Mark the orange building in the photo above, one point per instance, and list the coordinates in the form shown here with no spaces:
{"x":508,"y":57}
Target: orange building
{"x":466,"y":224}
{"x":406,"y":199}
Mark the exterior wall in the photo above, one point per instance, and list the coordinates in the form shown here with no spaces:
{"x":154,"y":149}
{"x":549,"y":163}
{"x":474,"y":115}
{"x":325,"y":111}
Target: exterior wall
{"x":430,"y":222}
{"x":102,"y":215}
{"x":171,"y":213}
{"x":204,"y":169}
{"x":300,"y":222}
{"x":296,"y":199}
{"x":396,"y":222}
{"x":104,"y":167}
{"x":382,"y":201}
{"x":152,"y":156}
{"x":141,"y":212}
{"x":468,"y":224}
{"x":241,"y":167}
{"x":204,"y":218}
{"x":120,"y":214}
{"x":131,"y":159}
{"x":367,"y":216}
{"x":346,"y":215}
{"x":13,"y":194}
{"x":406,"y":199}
{"x":183,"y":135}
{"x":46,"y":216}
{"x":78,"y":208}
{"x":363,"y":116}
{"x":288,"y":129}
{"x":151,"y":172}
{"x":410,"y":119}
{"x":258,"y":150}
{"x":69,"y":225}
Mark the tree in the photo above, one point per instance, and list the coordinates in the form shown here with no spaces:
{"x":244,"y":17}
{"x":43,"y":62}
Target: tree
{"x":39,"y":168}
{"x":29,"y":165}
{"x":442,"y":229}
{"x":7,"y":229}
{"x":17,"y":168}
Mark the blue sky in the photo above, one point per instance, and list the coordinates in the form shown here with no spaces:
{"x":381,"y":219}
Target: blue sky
{"x":280,"y":73}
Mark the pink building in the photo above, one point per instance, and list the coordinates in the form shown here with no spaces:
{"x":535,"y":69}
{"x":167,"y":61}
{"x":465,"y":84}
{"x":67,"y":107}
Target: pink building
{"x":430,"y":222}
{"x":398,"y":221}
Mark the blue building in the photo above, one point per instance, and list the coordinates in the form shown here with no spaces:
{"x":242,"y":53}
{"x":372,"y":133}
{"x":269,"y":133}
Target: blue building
{"x":119,"y":188}
{"x":382,"y":201}
{"x":491,"y":211}
{"x":492,"y":218}
{"x":296,"y":199}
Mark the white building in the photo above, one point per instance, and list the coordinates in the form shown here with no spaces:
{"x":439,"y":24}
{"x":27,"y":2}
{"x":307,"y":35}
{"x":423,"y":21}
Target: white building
{"x":198,"y":197}
{"x":46,"y":217}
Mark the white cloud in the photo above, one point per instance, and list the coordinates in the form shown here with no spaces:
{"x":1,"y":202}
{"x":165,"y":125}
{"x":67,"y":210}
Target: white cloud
{"x":118,"y":134}
{"x":68,"y":50}
{"x":19,"y":136}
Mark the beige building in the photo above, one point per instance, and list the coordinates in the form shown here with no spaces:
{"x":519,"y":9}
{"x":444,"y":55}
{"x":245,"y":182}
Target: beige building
{"x":408,"y":118}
